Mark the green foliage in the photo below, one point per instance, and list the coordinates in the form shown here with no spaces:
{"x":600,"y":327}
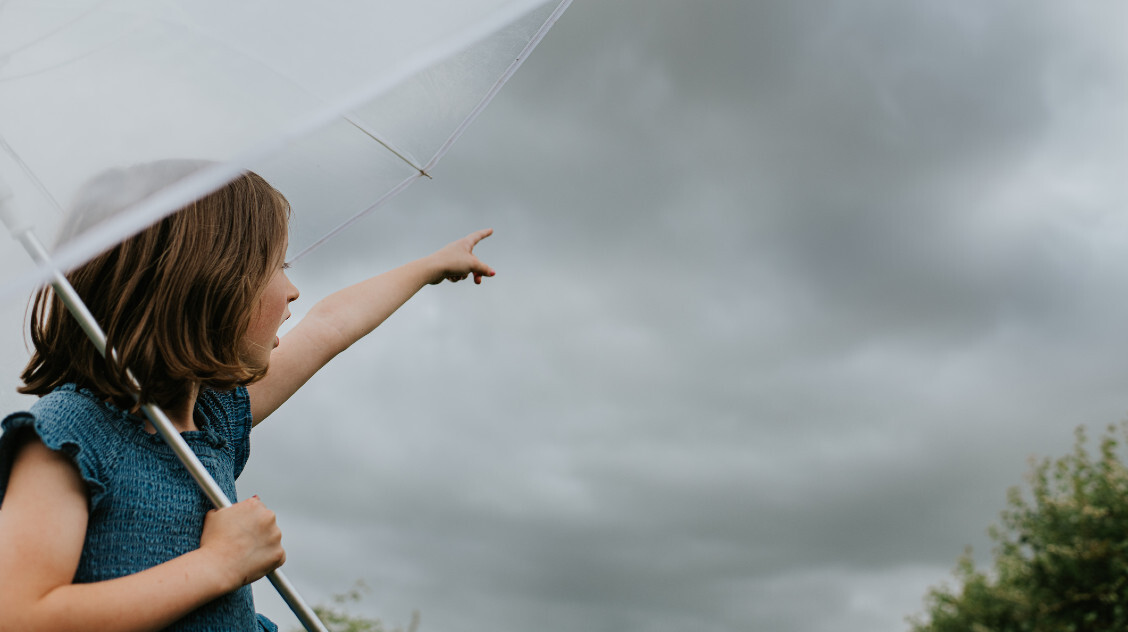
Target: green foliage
{"x":1060,"y":557}
{"x":337,"y":619}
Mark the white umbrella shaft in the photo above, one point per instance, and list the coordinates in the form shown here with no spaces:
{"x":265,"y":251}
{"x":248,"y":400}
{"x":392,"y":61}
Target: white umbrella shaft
{"x":159,"y":419}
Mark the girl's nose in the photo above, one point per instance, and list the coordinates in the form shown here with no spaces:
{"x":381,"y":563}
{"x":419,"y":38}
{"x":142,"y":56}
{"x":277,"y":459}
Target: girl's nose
{"x":292,"y":292}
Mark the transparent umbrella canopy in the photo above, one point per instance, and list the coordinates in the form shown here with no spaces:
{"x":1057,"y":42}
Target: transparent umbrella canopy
{"x":357,"y":99}
{"x":350,"y":97}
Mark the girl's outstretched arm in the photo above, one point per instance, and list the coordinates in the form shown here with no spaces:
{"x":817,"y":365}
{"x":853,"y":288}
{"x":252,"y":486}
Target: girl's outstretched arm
{"x":42,"y":527}
{"x":342,"y":318}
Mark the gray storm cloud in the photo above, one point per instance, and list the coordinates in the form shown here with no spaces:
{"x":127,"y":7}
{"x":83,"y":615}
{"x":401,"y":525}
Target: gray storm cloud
{"x":786,"y":296}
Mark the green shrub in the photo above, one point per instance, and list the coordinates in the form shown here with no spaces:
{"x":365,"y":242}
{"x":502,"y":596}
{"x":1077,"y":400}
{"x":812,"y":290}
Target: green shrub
{"x":1060,"y":556}
{"x":337,"y":619}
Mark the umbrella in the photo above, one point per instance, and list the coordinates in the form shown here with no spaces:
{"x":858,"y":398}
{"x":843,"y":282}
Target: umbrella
{"x":354,"y":98}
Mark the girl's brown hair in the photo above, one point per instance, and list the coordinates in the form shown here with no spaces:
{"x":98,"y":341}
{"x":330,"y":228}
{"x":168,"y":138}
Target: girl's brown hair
{"x":175,"y":301}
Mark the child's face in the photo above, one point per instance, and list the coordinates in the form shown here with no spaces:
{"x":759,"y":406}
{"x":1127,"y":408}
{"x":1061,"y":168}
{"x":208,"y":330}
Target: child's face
{"x":273,"y":308}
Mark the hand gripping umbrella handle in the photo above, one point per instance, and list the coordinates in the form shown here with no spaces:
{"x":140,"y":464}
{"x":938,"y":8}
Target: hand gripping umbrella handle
{"x":159,"y":419}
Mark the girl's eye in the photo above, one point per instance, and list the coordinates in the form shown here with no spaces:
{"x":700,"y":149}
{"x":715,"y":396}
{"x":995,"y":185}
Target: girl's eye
{"x":286,"y":266}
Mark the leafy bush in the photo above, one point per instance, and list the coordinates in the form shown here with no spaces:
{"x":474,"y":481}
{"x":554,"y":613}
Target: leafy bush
{"x":1060,"y":558}
{"x":336,"y":619}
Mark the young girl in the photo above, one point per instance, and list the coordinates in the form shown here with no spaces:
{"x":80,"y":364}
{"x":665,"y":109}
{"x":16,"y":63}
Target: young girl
{"x":101,"y":528}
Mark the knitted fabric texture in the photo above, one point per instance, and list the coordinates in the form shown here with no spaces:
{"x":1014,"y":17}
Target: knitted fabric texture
{"x":145,"y":509}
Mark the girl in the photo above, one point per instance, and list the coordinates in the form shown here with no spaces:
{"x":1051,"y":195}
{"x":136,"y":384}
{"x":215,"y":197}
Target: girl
{"x":101,"y":528}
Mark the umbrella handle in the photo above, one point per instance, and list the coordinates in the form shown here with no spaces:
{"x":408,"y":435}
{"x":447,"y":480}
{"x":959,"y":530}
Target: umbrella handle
{"x":204,"y":479}
{"x":159,"y":419}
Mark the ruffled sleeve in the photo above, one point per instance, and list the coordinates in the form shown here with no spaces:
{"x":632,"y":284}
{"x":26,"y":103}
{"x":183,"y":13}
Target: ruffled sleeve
{"x":64,"y":424}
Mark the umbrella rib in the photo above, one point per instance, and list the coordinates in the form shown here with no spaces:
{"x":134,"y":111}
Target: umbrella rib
{"x":352,"y":220}
{"x":52,"y":33}
{"x":29,"y":173}
{"x":445,"y":147}
{"x":300,"y":86}
{"x":387,"y":144}
{"x":509,"y":72}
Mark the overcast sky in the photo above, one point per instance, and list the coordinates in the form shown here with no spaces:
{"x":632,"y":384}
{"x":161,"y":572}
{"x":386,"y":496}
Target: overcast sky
{"x":787,"y":295}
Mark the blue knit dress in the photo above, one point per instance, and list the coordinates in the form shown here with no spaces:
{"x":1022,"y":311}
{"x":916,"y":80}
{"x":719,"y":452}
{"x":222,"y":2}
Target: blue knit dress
{"x":145,"y":509}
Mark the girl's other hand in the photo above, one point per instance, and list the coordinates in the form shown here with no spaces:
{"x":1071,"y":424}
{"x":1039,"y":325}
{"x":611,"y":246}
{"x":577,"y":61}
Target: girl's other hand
{"x":456,"y":260}
{"x":245,"y":539}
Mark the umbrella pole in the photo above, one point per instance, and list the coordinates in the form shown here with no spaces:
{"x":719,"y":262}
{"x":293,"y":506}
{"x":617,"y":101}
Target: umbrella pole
{"x":65,"y":291}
